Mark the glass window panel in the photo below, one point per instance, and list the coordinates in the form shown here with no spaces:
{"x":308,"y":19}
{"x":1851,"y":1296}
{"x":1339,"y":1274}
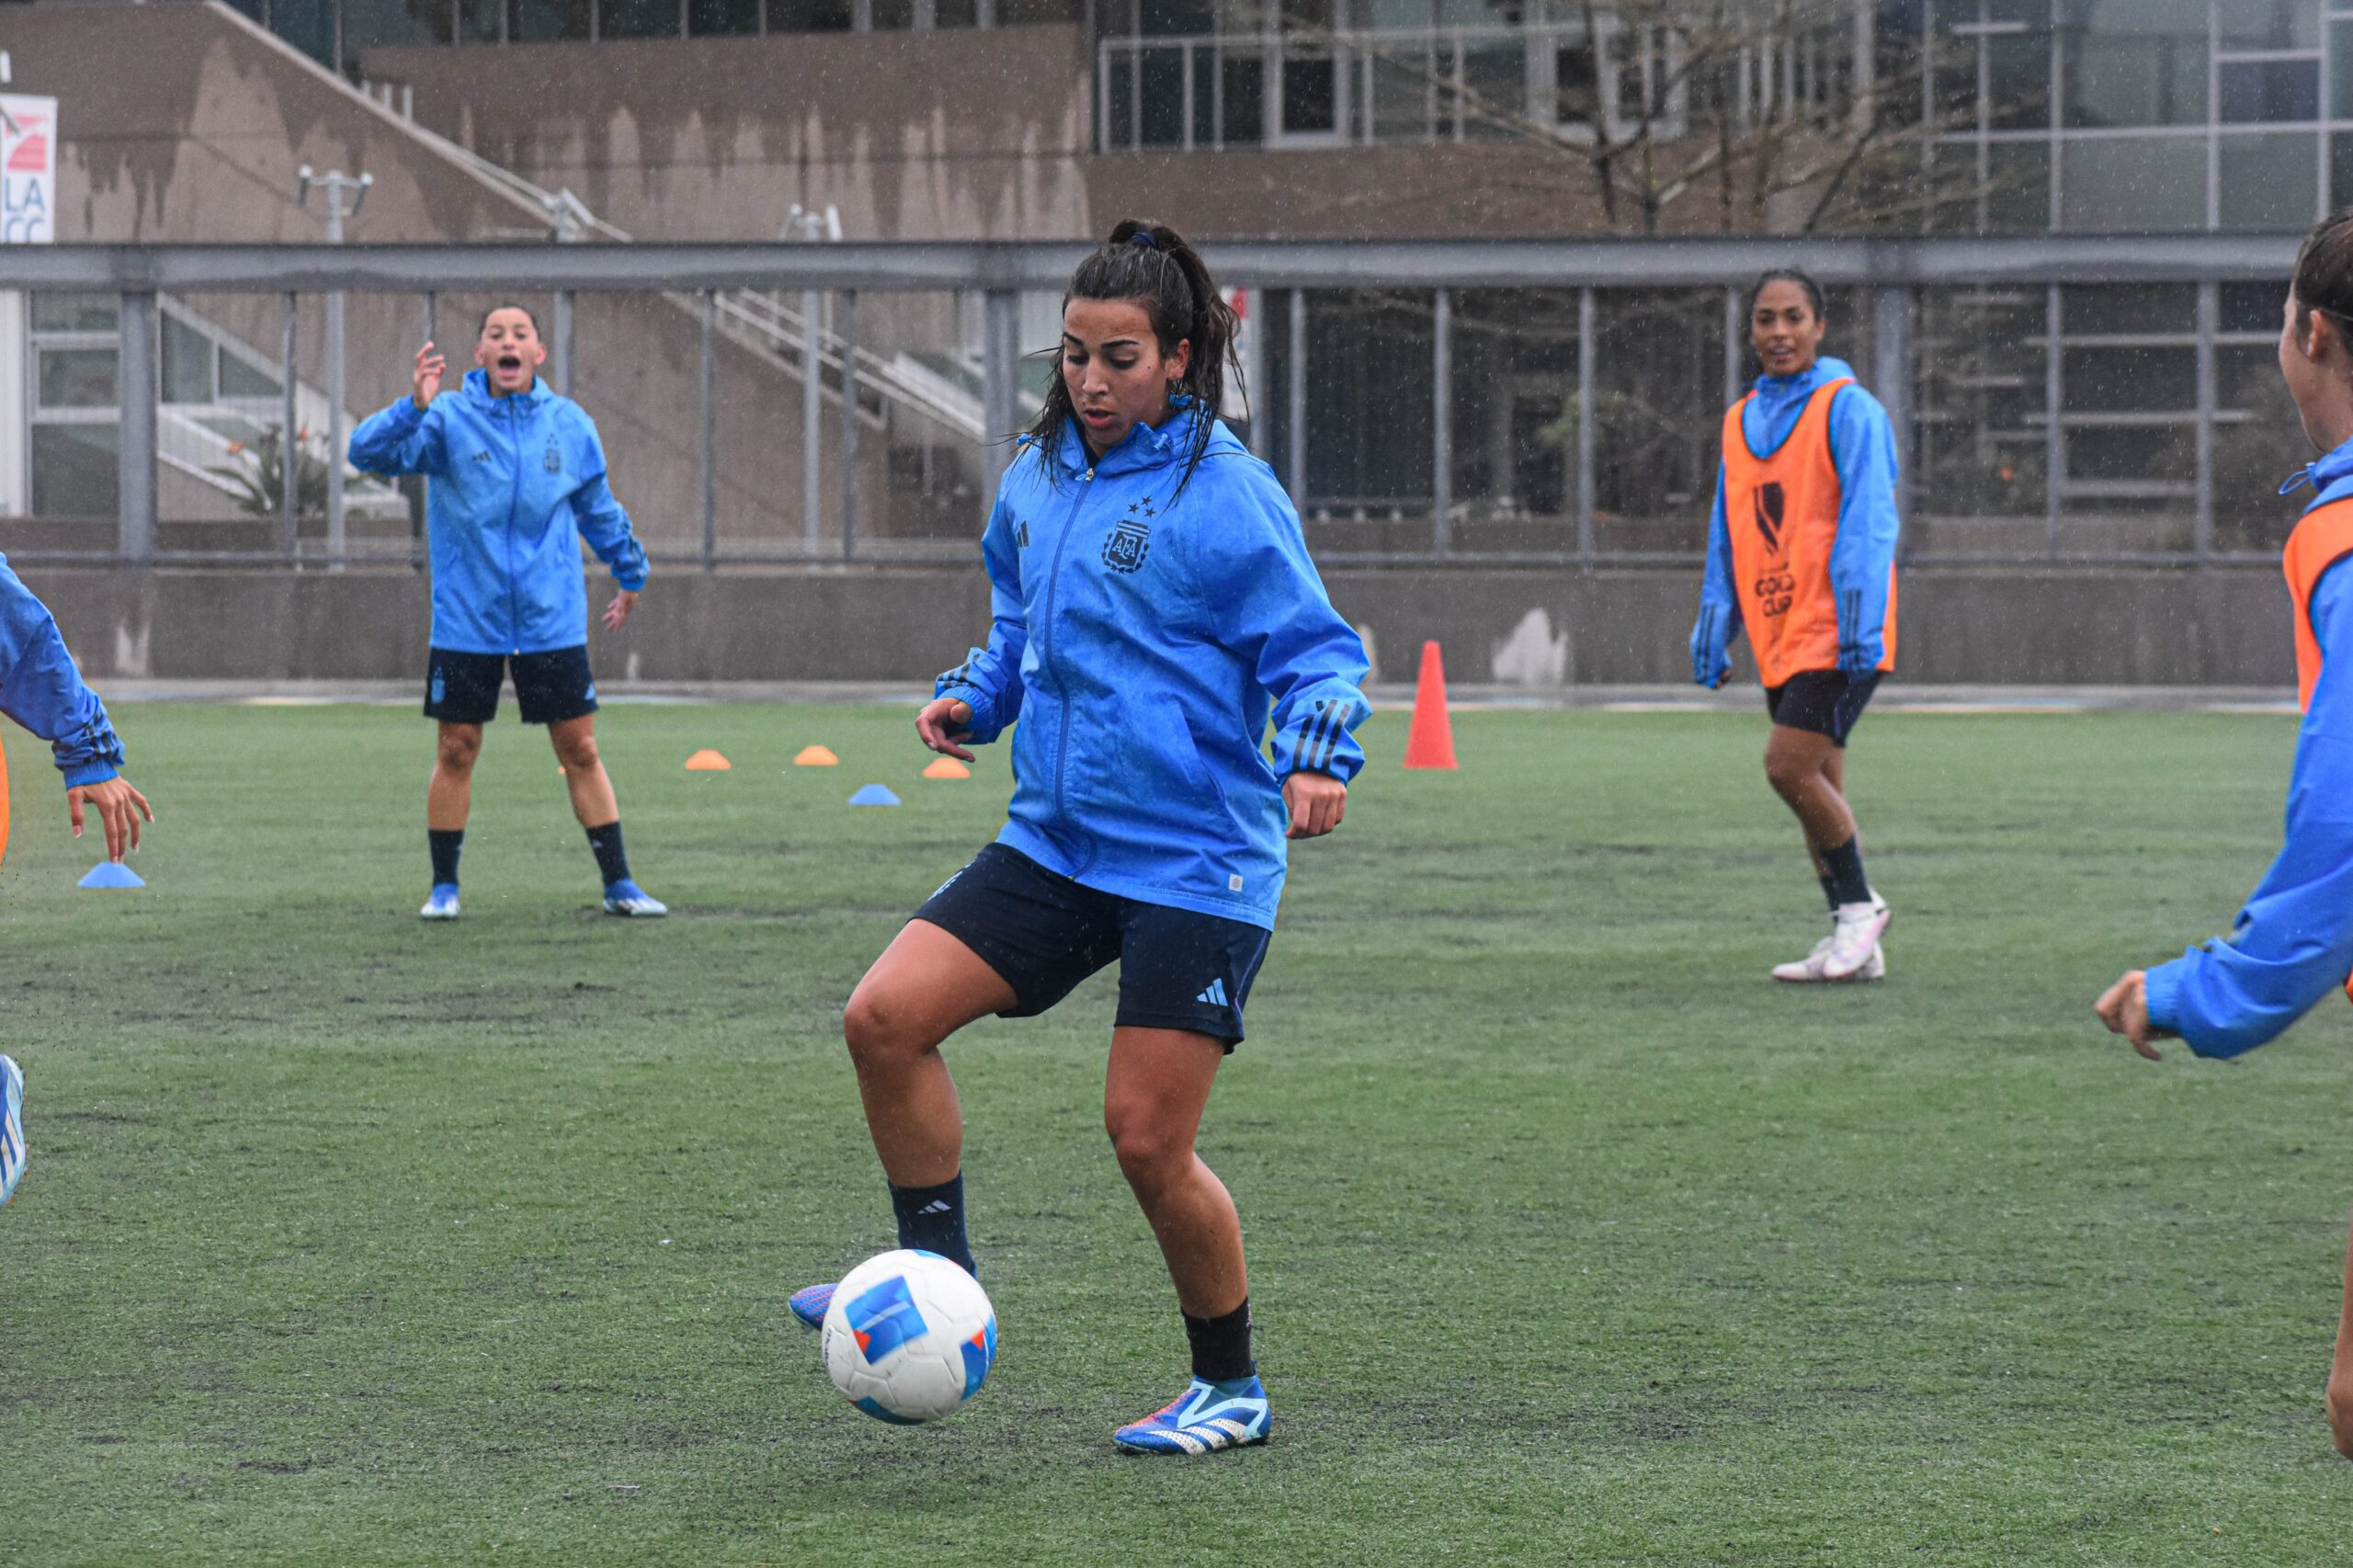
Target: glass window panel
{"x":241,"y":380}
{"x":1245,"y":100}
{"x":2140,"y":183}
{"x":2251,"y":307}
{"x":1657,"y":414}
{"x":1495,"y":73}
{"x":1120,"y":101}
{"x":2017,"y":196}
{"x":2243,"y":372}
{"x":75,"y":473}
{"x":1514,"y":402}
{"x":637,"y":19}
{"x":479,"y":21}
{"x":2340,"y":70}
{"x":1163,"y":96}
{"x":2018,"y":80}
{"x":2103,"y":308}
{"x":709,"y":18}
{"x":947,"y":13}
{"x":2129,"y":381}
{"x":2340,"y":169}
{"x":809,"y":16}
{"x":372,"y":24}
{"x":2269,"y":182}
{"x":252,"y":10}
{"x":1401,"y":99}
{"x":1576,"y":86}
{"x":73,"y":313}
{"x":308,"y":25}
{"x":1979,"y":354}
{"x":541,"y":21}
{"x":1310,"y":103}
{"x":1369,"y":399}
{"x":1178,"y":19}
{"x":2131,"y":451}
{"x":188,"y":363}
{"x":1022,"y":12}
{"x":2135,"y":78}
{"x":2269,"y":24}
{"x":2269,"y":92}
{"x":77,"y":378}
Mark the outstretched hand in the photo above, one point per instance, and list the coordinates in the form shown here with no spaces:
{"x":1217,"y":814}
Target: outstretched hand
{"x":120,"y":808}
{"x":616,"y":613}
{"x":2124,"y":1008}
{"x":426,"y":380}
{"x":1316,"y":801}
{"x":944,"y":723}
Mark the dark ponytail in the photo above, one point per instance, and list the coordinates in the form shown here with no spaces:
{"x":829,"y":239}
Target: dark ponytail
{"x":1791,"y":275}
{"x":1156,"y":267}
{"x":2324,"y":276}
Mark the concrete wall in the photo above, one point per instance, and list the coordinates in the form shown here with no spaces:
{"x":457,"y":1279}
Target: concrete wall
{"x":913,"y":135}
{"x":1521,"y":626}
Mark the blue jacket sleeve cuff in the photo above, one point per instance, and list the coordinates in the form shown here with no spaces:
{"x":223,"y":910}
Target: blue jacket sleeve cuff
{"x":83,"y":773}
{"x":2164,"y":987}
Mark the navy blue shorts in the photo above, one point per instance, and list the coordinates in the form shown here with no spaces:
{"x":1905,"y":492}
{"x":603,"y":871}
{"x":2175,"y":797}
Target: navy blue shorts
{"x":1826,"y":702}
{"x":1178,"y":969}
{"x":462,"y":688}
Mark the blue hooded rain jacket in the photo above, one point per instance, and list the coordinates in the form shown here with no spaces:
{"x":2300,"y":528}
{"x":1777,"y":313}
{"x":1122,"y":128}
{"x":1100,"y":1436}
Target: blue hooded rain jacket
{"x":40,"y":690}
{"x":518,"y":482}
{"x":1145,"y":639}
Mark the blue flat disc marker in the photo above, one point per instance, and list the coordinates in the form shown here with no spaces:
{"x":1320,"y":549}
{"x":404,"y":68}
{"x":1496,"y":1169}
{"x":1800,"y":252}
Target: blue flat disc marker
{"x":111,"y":874}
{"x":874,"y":795}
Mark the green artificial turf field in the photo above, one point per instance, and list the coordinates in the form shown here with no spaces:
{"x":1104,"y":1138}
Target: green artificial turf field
{"x":1573,"y":1238}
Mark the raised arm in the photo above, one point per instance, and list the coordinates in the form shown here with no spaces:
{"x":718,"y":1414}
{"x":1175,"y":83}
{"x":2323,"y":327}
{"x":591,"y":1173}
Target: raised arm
{"x":1862,"y":558}
{"x":989,"y":680}
{"x":404,"y":439}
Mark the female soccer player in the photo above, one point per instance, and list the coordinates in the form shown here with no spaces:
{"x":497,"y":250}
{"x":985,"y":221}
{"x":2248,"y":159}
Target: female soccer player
{"x":1154,"y":606}
{"x":2294,"y":942}
{"x":518,"y":480}
{"x":1802,"y":551}
{"x":41,"y":689}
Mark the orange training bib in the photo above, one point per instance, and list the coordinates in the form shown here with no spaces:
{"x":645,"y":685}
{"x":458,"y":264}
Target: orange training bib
{"x":1782,"y":511}
{"x":2323,"y":537}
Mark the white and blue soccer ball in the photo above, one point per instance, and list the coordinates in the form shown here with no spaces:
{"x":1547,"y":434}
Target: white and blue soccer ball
{"x":909,"y":1337}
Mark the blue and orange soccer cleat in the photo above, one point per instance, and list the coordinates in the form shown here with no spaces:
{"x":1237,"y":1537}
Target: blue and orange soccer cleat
{"x":1204,"y":1419}
{"x":12,"y":1126}
{"x":625,"y":898}
{"x":808,"y":1304}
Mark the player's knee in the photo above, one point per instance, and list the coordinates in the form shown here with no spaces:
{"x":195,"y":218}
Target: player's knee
{"x":577,"y":753}
{"x":877,"y":1031}
{"x":1790,"y":775}
{"x":1151,"y":1153}
{"x":459,"y":748}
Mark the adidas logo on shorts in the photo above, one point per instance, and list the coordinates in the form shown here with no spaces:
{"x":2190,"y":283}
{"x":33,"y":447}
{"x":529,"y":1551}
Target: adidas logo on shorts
{"x":1215,"y":994}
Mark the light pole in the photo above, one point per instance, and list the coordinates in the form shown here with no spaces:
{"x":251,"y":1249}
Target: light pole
{"x":338,"y":186}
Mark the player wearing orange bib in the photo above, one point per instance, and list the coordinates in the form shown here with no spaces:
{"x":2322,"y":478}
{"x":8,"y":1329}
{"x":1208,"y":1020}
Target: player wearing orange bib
{"x":1802,"y":556}
{"x":2292,"y":943}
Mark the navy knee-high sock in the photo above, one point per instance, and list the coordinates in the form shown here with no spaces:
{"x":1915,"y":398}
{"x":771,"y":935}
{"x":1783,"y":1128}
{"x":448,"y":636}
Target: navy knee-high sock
{"x":932,"y":1217}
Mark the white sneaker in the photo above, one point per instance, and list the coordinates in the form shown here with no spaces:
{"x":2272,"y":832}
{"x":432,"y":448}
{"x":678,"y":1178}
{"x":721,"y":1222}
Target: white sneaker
{"x":1854,"y":937}
{"x":1807,"y":970}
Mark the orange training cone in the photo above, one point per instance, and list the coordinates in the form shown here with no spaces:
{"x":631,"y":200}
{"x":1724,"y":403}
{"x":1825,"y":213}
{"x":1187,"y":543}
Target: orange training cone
{"x":815,"y":756}
{"x":1430,"y":743}
{"x":708,"y":762}
{"x":948,"y":767}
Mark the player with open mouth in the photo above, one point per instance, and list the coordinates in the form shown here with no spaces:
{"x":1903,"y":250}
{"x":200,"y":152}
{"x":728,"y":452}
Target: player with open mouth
{"x":518,"y":480}
{"x":1154,"y":608}
{"x":1802,"y":555}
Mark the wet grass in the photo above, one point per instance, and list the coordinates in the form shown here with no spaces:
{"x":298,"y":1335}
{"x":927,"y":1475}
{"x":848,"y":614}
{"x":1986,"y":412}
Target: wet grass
{"x":349,"y":1240}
